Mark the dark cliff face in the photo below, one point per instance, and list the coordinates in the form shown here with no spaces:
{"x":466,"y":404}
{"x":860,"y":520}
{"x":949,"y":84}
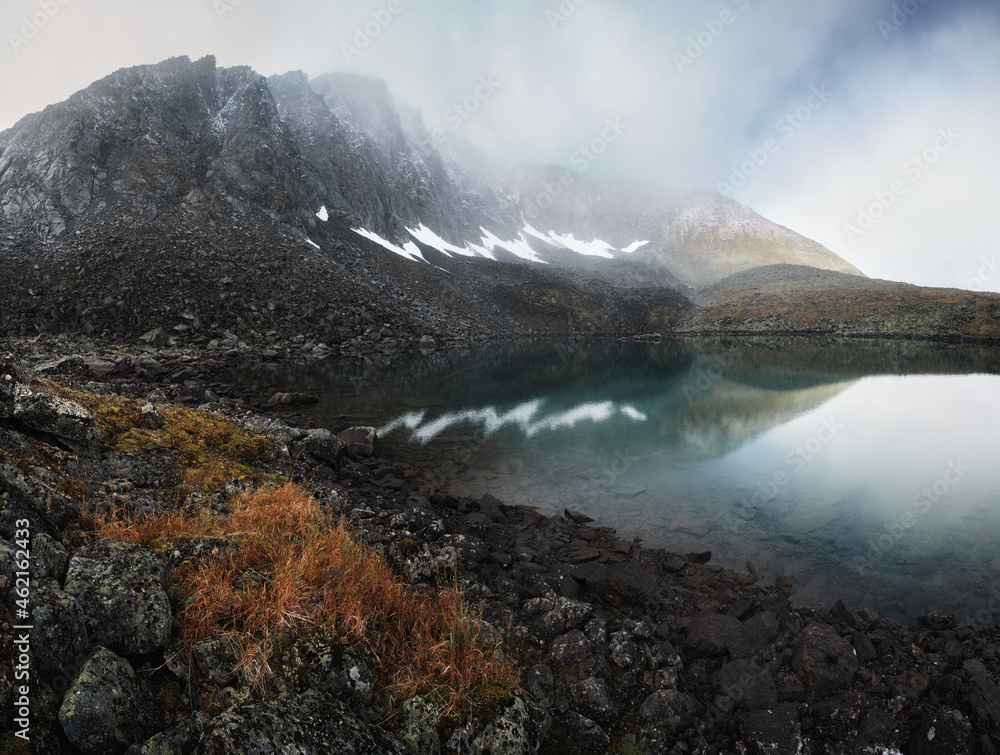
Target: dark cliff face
{"x":178,"y":132}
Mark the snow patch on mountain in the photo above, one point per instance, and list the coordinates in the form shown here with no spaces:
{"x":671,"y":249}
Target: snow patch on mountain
{"x":409,"y":250}
{"x":323,"y":214}
{"x":634,"y":247}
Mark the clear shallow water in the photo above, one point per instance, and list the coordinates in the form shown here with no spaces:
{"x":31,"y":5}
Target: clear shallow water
{"x":868,"y":471}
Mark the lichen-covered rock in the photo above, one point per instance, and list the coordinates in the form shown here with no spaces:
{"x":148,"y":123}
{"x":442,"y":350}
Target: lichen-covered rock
{"x":419,"y":731}
{"x":335,"y":671}
{"x":518,"y":730}
{"x":68,"y":423}
{"x":670,"y":711}
{"x":108,"y":709}
{"x":592,"y":696}
{"x":59,"y":634}
{"x":49,"y":557}
{"x":25,"y":497}
{"x":122,"y":590}
{"x":305,"y":724}
{"x":214,"y":658}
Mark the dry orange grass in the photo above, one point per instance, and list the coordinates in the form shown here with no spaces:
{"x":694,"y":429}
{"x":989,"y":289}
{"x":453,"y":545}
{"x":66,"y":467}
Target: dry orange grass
{"x":292,"y":569}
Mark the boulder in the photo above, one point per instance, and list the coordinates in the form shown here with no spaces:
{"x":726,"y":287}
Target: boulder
{"x":324,"y":445}
{"x":621,"y":585}
{"x":122,"y":590}
{"x":753,"y":635}
{"x":29,"y":498}
{"x":746,"y":684}
{"x":572,"y":647}
{"x":107,"y":709}
{"x":59,"y":633}
{"x":772,"y":732}
{"x":824,"y":661}
{"x":592,"y":697}
{"x":708,"y":634}
{"x":582,"y":733}
{"x":947,"y":733}
{"x":362,"y":441}
{"x":670,"y":711}
{"x":69,"y":424}
{"x":518,"y":730}
{"x":289,"y":723}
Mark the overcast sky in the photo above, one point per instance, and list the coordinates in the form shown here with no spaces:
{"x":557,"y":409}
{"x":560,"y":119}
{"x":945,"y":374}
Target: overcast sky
{"x":870,"y":126}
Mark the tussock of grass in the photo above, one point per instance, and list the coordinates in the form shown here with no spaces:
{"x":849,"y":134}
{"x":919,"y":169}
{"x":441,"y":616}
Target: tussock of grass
{"x":212,"y":450}
{"x":291,"y":569}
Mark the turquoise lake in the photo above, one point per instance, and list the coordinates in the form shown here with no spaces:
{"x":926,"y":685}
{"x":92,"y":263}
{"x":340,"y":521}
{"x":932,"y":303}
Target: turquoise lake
{"x":862,"y":470}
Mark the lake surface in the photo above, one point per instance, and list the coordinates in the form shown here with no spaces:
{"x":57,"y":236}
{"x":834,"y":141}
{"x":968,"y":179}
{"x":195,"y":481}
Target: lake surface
{"x":868,"y":471}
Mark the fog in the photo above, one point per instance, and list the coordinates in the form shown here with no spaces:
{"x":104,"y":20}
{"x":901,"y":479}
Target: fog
{"x":869,"y":126}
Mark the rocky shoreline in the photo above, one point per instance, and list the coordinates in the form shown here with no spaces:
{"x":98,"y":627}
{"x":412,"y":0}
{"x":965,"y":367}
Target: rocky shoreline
{"x":625,"y":649}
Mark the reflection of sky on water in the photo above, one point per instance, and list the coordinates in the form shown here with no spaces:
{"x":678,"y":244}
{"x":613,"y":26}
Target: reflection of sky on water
{"x":816,"y":460}
{"x":521,"y":417}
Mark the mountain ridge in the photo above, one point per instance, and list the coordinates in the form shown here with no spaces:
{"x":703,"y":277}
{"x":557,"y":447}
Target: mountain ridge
{"x":289,"y":147}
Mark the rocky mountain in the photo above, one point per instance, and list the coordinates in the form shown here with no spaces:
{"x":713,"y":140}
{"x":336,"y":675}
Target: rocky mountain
{"x":227,"y":140}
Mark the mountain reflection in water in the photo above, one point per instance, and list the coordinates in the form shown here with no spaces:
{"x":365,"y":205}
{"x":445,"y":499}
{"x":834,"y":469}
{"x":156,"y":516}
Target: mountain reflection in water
{"x":808,"y":457}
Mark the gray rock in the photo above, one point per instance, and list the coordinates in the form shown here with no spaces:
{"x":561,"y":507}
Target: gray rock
{"x":876,"y":726}
{"x":754,"y":635}
{"x":362,"y":441}
{"x":155,"y":338}
{"x":107,"y":708}
{"x":419,"y":731}
{"x":746,"y":684}
{"x":583,"y":734}
{"x":772,"y":732}
{"x":215,"y":659}
{"x":670,"y":711}
{"x":305,"y":724}
{"x":50,"y":557}
{"x":623,"y":584}
{"x":565,"y":615}
{"x":518,"y":730}
{"x":335,"y":671}
{"x":592,"y":697}
{"x":824,"y":661}
{"x":572,"y":647}
{"x":980,"y":699}
{"x":708,"y":634}
{"x":122,"y":590}
{"x":46,"y":508}
{"x":948,"y":733}
{"x":324,"y":445}
{"x":68,"y":423}
{"x":59,"y":634}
